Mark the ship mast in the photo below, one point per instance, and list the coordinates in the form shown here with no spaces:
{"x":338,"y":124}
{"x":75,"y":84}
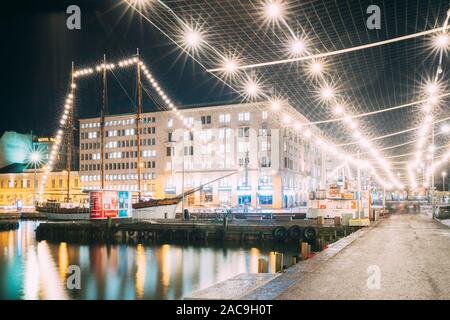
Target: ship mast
{"x":70,"y":133}
{"x":102,"y":124}
{"x":138,"y":124}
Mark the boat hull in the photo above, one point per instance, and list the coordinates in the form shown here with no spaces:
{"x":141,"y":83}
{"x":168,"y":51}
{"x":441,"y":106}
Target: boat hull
{"x":155,"y":212}
{"x":67,"y":216}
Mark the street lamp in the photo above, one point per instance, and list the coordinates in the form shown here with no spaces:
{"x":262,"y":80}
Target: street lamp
{"x":443,"y":180}
{"x":35,"y":159}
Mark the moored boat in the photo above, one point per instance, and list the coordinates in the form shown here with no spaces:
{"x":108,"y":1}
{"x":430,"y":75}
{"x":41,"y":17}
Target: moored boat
{"x":102,"y":204}
{"x":155,"y":209}
{"x":54,"y":210}
{"x":166,"y":208}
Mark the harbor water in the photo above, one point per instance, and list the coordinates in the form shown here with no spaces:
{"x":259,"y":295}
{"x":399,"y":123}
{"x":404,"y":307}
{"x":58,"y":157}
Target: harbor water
{"x":40,"y":270}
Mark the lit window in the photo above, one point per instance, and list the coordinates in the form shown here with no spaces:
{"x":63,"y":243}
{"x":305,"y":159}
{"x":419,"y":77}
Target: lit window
{"x":244,"y":116}
{"x":265,"y":181}
{"x":224,"y":132}
{"x":225,"y":118}
{"x":243,"y":147}
{"x":207,"y":134}
{"x":206,"y":164}
{"x":188,"y":120}
{"x":264,"y":115}
{"x":207,"y":150}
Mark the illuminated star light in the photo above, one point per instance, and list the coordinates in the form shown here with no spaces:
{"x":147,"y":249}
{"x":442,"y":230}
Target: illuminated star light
{"x":251,"y":89}
{"x":273,"y":10}
{"x":140,"y":4}
{"x":316,"y":68}
{"x":339,"y":109}
{"x":432,"y":88}
{"x":230,"y":66}
{"x":441,"y":42}
{"x":35,"y":157}
{"x":275,"y":103}
{"x":192,"y":38}
{"x":445,"y":128}
{"x":297,"y":47}
{"x":327,"y":93}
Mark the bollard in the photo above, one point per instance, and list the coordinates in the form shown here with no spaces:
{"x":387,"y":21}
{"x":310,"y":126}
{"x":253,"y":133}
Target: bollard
{"x":304,"y":250}
{"x":337,"y":221}
{"x":293,"y":260}
{"x":278,"y":262}
{"x":263,"y":266}
{"x":320,"y":221}
{"x":319,"y":243}
{"x":186,"y":215}
{"x":225,"y":223}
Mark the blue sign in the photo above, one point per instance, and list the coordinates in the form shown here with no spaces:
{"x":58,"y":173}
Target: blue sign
{"x":123,"y":203}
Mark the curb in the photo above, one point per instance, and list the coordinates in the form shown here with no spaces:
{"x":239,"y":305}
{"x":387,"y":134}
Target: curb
{"x":294,"y":274}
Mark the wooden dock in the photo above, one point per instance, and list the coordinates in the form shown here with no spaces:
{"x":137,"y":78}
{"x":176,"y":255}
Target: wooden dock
{"x":178,"y":230}
{"x":9,"y":224}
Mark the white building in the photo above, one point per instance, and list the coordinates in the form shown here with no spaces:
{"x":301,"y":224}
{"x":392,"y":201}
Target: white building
{"x":283,"y":166}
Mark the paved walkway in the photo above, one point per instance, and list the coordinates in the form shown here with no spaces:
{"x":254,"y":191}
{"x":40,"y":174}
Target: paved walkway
{"x":412,"y":252}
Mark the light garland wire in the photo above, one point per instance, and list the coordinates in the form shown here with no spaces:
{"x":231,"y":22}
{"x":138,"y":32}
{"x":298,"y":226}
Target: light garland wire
{"x":432,"y":89}
{"x":69,"y":102}
{"x":253,"y":84}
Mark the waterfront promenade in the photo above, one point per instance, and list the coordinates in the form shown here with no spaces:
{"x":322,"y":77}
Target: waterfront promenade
{"x":411,"y":251}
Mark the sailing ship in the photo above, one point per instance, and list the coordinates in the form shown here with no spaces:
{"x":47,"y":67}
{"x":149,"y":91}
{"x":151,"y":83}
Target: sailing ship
{"x":55,"y":210}
{"x":166,"y":208}
{"x":142,"y":209}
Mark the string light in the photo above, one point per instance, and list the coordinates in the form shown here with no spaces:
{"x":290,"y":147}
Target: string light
{"x":297,"y":47}
{"x":273,"y":10}
{"x":192,"y":38}
{"x":139,"y":3}
{"x":326,"y":93}
{"x":251,"y":89}
{"x":445,"y":128}
{"x":338,"y":109}
{"x":230,"y":66}
{"x":275,"y":104}
{"x":316,"y":68}
{"x":432,"y":88}
{"x":441,"y":42}
{"x":69,"y":104}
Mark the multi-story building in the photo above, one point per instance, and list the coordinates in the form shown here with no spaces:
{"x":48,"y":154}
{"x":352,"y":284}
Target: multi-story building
{"x":22,"y":187}
{"x":274,"y":166}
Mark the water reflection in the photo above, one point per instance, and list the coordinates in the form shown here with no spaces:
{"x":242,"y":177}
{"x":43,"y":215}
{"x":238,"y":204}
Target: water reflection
{"x":32,"y":270}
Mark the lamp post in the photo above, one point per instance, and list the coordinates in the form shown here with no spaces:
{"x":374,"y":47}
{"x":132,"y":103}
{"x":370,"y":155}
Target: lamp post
{"x":432,"y":173}
{"x":182,"y":176}
{"x":35,"y":158}
{"x":443,"y":180}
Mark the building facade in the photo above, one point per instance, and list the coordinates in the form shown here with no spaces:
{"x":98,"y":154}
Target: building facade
{"x":22,"y":187}
{"x":269,"y":163}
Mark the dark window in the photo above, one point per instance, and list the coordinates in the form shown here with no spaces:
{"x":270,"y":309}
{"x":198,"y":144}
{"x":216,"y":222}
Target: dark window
{"x":189,"y":151}
{"x":206,"y":119}
{"x":244,"y":132}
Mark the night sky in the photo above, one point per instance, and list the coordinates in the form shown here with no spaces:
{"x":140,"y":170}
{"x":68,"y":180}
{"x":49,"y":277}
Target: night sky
{"x":38,"y":49}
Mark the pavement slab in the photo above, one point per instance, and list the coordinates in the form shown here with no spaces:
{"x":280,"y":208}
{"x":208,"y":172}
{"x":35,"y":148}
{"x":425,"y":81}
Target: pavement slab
{"x":410,"y":251}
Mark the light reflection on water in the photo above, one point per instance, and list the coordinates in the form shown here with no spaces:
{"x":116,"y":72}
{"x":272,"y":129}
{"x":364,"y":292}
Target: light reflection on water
{"x":38,"y":270}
